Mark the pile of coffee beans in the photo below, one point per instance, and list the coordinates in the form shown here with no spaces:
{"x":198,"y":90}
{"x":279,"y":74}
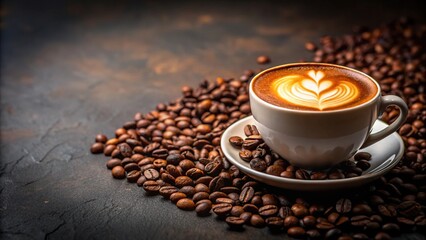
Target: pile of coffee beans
{"x":174,"y":150}
{"x":261,"y":158}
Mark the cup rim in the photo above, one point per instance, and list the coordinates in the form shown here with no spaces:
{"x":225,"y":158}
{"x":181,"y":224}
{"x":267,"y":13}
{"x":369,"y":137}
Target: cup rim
{"x":267,"y":104}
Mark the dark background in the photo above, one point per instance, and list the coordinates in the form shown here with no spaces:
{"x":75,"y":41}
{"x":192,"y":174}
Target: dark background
{"x":70,"y":70}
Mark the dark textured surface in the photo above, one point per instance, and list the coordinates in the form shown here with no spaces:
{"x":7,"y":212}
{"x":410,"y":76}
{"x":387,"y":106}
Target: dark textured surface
{"x":71,"y":70}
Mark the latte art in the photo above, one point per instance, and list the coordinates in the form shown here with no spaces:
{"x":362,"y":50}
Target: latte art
{"x":314,"y":87}
{"x":315,"y":90}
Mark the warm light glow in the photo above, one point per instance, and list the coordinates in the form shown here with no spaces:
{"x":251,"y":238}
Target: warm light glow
{"x":315,"y":91}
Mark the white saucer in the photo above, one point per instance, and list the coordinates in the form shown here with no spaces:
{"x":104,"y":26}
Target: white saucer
{"x":385,"y":155}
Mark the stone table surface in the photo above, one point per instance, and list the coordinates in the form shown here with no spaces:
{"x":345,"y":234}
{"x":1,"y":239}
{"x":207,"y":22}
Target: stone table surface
{"x":70,"y":70}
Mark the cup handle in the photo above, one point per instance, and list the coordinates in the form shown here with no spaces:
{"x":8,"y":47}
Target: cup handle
{"x":403,"y":112}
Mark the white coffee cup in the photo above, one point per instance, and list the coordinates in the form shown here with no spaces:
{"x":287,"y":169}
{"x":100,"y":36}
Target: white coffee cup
{"x":320,"y":139}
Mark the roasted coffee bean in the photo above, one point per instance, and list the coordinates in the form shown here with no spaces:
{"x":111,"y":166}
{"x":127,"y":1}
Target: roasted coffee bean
{"x":274,"y":222}
{"x":113,"y":162}
{"x":97,"y":147}
{"x":324,"y":225}
{"x":125,"y":149}
{"x":313,"y":234}
{"x":141,"y":180}
{"x":362,"y":156}
{"x":246,"y":194}
{"x":222,"y":209}
{"x":151,"y":186}
{"x":336,"y":174}
{"x":391,"y":228}
{"x":269,"y":199}
{"x":151,"y":174}
{"x":258,"y":164}
{"x":250,"y":130}
{"x":234,"y":222}
{"x":291,"y":221}
{"x":188,"y":190}
{"x":250,"y":208}
{"x":251,"y":144}
{"x":133,"y":176}
{"x":257,"y":221}
{"x":309,"y":221}
{"x":109,"y":149}
{"x":186,"y":204}
{"x":344,"y":205}
{"x":118,"y":172}
{"x":299,"y":210}
{"x":215,"y":195}
{"x":274,"y":170}
{"x":130,"y":166}
{"x":268,"y":210}
{"x":361,"y":209}
{"x":363,"y":164}
{"x":176,"y":196}
{"x":246,"y":216}
{"x":333,"y":233}
{"x":217,"y":183}
{"x":201,"y":187}
{"x":200,"y":196}
{"x":246,"y":155}
{"x":160,"y":153}
{"x":296,"y":232}
{"x":182,"y":181}
{"x":302,"y":174}
{"x":225,"y":200}
{"x":318,"y":175}
{"x":387,"y":210}
{"x":101,"y":138}
{"x":263,"y":59}
{"x":167,"y":191}
{"x":236,"y":141}
{"x":410,"y":209}
{"x":237,"y":211}
{"x":360,"y":236}
{"x":214,"y":167}
{"x":382,"y":236}
{"x":284,"y":212}
{"x":203,"y":208}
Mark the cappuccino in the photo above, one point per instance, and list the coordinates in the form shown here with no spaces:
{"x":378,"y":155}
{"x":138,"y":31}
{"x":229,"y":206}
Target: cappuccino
{"x":314,"y":87}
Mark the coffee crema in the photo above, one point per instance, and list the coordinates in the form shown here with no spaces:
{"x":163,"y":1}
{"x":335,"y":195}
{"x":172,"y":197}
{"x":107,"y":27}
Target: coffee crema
{"x":314,"y":87}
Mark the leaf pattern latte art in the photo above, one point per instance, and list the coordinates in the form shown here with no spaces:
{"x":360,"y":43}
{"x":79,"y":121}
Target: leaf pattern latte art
{"x":315,"y":91}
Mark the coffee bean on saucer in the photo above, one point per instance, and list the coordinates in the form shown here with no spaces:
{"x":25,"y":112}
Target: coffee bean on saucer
{"x":362,"y":156}
{"x":363,"y":164}
{"x":250,"y":130}
{"x":246,"y":155}
{"x":236,"y":141}
{"x":258,"y":164}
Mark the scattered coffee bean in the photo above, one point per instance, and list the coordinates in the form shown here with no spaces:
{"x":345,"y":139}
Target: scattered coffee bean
{"x":186,"y":204}
{"x":97,"y":147}
{"x":257,"y":221}
{"x":235,"y":222}
{"x":263,"y":59}
{"x":296,"y":232}
{"x":118,"y":172}
{"x":344,"y":205}
{"x":203,"y":208}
